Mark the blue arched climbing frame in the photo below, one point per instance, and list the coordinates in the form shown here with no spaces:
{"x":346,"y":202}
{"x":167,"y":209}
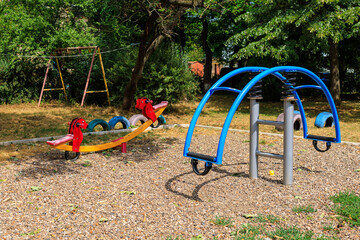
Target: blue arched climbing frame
{"x":263,"y":72}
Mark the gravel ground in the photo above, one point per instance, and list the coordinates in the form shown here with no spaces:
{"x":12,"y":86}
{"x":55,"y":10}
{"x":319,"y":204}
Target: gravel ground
{"x":152,"y":193}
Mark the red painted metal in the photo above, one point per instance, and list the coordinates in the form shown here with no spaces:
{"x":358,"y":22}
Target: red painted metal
{"x":43,"y":86}
{"x":123,"y":145}
{"x":75,"y":128}
{"x":145,"y":105}
{"x":88,"y":78}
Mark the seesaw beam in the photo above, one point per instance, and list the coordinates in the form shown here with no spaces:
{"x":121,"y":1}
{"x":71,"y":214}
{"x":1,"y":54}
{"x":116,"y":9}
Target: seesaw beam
{"x":126,"y":138}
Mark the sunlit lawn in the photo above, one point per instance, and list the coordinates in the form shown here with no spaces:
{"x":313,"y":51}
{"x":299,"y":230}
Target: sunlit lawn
{"x":23,"y":121}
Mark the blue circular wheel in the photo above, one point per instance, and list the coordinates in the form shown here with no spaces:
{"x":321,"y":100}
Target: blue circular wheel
{"x":324,"y":119}
{"x":125,"y":123}
{"x":100,"y":122}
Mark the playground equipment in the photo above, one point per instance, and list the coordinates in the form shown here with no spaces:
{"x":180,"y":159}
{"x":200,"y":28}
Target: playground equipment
{"x":141,"y":118}
{"x":75,"y":136}
{"x":57,"y":53}
{"x":296,"y":121}
{"x":125,"y":123}
{"x":290,"y":95}
{"x":324,"y":119}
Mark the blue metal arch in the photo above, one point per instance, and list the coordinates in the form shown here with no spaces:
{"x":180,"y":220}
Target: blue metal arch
{"x":263,"y":73}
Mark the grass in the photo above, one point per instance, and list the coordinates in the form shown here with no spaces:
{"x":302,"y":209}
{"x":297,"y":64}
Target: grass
{"x":22,"y":121}
{"x":267,"y":218}
{"x":348,"y":207}
{"x":32,"y":233}
{"x":304,"y":209}
{"x":290,"y":233}
{"x":254,"y":232}
{"x":248,"y":231}
{"x":219,"y":221}
{"x":50,"y":119}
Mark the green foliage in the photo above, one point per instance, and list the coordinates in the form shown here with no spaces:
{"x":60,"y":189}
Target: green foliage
{"x":167,"y":77}
{"x":252,"y":232}
{"x":294,"y":32}
{"x":304,"y":209}
{"x":226,"y":222}
{"x":247,"y":231}
{"x":32,"y":233}
{"x":348,"y":206}
{"x":290,"y":233}
{"x":36,"y":28}
{"x":176,"y":238}
{"x":119,"y":71}
{"x":221,"y":26}
{"x":31,"y":29}
{"x":267,"y":218}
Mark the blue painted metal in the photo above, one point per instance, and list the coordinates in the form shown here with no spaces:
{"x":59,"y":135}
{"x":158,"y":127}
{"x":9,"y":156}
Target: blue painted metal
{"x":263,"y":72}
{"x":307,"y":86}
{"x":206,"y":98}
{"x":322,"y":118}
{"x":225,"y":89}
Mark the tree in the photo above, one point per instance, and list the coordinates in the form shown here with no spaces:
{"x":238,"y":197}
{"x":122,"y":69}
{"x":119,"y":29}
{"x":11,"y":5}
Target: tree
{"x":33,"y":28}
{"x":284,"y":29}
{"x":208,"y":29}
{"x":208,"y":54}
{"x":163,"y":16}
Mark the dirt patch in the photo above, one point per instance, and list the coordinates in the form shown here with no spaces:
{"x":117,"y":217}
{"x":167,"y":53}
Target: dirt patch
{"x":152,"y":193}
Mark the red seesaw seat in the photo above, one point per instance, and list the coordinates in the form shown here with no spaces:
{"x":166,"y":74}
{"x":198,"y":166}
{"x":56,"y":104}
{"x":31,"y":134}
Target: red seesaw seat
{"x":63,"y":140}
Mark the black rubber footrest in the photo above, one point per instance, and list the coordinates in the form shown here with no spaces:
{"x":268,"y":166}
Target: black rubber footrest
{"x":201,"y":156}
{"x":327,"y":139}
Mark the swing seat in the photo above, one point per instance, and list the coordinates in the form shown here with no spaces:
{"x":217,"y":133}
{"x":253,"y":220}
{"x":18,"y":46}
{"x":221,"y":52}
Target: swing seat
{"x":63,"y":140}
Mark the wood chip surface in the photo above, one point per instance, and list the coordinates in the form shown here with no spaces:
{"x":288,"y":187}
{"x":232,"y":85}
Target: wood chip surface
{"x":152,"y":193}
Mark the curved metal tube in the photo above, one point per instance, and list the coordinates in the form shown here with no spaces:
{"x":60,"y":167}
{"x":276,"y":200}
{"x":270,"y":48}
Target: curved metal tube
{"x":210,"y":92}
{"x":263,"y":73}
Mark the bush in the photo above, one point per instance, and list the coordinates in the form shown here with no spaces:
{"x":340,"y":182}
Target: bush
{"x":168,"y":77}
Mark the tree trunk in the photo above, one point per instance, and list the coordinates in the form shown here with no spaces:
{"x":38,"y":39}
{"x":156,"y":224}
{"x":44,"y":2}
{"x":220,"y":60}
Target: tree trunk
{"x":150,"y":40}
{"x":334,"y":72}
{"x":208,"y":55}
{"x":146,"y":48}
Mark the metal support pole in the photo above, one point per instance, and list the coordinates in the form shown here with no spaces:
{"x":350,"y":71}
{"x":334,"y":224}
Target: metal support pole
{"x":288,"y":140}
{"x":103,"y":73}
{"x":88,"y":77}
{"x":62,"y":80}
{"x":254,"y":137}
{"x":43,"y":86}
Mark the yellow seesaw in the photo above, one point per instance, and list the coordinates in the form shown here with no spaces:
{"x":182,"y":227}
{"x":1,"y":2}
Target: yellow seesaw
{"x":113,"y":143}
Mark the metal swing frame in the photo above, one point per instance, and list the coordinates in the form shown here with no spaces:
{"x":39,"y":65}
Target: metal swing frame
{"x":58,"y":52}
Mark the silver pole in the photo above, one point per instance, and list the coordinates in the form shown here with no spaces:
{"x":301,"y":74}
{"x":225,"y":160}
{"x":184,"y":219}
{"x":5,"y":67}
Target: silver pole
{"x":254,"y":137}
{"x":288,"y":140}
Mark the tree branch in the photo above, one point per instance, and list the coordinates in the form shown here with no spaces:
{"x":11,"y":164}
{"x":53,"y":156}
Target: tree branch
{"x":186,"y":3}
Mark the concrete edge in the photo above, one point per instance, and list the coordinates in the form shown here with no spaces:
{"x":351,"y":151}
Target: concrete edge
{"x":44,"y":139}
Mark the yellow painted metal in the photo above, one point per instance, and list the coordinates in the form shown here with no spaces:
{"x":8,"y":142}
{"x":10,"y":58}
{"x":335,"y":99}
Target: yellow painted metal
{"x":100,"y":91}
{"x":126,"y":138}
{"x":62,"y":80}
{"x":53,"y":89}
{"x":103,"y":73}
